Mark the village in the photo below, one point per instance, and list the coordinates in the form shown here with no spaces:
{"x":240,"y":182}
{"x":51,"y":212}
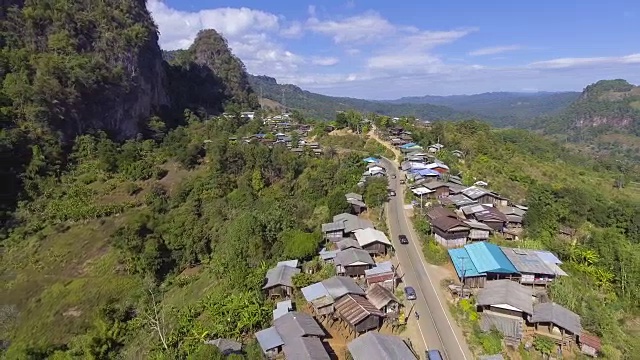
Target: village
{"x":362,"y":311}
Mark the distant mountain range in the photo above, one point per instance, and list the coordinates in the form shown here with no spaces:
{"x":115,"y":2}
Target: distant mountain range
{"x":501,"y":108}
{"x":325,"y":107}
{"x":498,"y":108}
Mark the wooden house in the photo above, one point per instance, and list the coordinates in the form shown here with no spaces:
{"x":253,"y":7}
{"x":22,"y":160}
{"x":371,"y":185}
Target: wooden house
{"x":270,"y":341}
{"x":484,"y":196}
{"x":383,"y":273}
{"x":377,"y":346}
{"x":440,"y":189}
{"x":590,"y":344}
{"x":383,"y":299}
{"x":279,"y":282}
{"x":375,"y":242}
{"x":506,"y":306}
{"x":478,"y":231}
{"x":333,"y":230}
{"x":532,"y":268}
{"x":557,"y":323}
{"x":353,"y":262}
{"x":358,"y":314}
{"x":438,"y":212}
{"x":449,"y":232}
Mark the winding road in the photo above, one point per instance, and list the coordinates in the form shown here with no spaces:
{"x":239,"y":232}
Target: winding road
{"x":437,"y":327}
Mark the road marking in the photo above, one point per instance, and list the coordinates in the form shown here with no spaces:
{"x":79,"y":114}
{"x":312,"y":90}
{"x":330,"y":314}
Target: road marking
{"x":410,"y":227}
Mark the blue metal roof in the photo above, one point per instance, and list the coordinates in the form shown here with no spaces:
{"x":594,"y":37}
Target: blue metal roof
{"x":462,"y":263}
{"x":269,"y":339}
{"x":406,"y":146}
{"x":370,"y":159}
{"x":424,"y":172}
{"x":488,"y":257}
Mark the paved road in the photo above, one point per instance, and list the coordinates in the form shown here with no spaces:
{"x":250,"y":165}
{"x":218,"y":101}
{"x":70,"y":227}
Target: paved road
{"x":438,"y":330}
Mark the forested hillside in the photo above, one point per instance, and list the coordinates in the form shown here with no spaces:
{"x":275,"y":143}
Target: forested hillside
{"x":325,"y":107}
{"x":605,"y":118}
{"x":501,"y":108}
{"x":77,"y":67}
{"x":564,"y":189}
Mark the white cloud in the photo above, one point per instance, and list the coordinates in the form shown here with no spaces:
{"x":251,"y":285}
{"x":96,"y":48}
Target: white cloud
{"x":494,"y":50}
{"x":564,"y":63}
{"x":295,"y":30}
{"x":366,"y":27}
{"x":325,"y":61}
{"x":430,"y":39}
{"x":251,"y":34}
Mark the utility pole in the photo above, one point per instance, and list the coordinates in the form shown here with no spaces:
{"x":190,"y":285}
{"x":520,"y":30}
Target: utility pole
{"x":463,"y":275}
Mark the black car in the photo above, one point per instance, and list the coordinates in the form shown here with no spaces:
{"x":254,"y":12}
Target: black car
{"x":410,"y":293}
{"x":403,"y":239}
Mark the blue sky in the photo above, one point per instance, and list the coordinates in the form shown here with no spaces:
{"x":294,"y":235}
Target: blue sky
{"x":377,"y":50}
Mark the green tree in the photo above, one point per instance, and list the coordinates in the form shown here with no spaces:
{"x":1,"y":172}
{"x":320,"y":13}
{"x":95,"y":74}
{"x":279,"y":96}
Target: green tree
{"x":299,"y":245}
{"x":376,"y":191}
{"x":544,"y":345}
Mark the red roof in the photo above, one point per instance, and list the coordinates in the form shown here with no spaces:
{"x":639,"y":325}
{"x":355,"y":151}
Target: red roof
{"x":379,"y":278}
{"x":591,"y":340}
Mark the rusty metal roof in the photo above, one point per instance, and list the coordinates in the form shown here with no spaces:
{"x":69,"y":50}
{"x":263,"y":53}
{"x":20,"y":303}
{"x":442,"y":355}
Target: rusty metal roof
{"x":354,"y":308}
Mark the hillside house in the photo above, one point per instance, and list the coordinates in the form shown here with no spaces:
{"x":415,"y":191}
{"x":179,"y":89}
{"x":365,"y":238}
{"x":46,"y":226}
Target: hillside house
{"x":590,"y":344}
{"x":355,"y":200}
{"x":557,"y":323}
{"x":376,"y":346}
{"x":533,"y":270}
{"x":440,"y":168}
{"x":279,"y":282}
{"x":319,"y":298}
{"x":353,"y":262}
{"x":306,"y":348}
{"x":487,"y":215}
{"x":458,"y":201}
{"x":339,"y":286}
{"x":226,"y":346}
{"x":514,"y":216}
{"x":352,"y":223}
{"x":383,"y":273}
{"x":449,"y":232}
{"x":358,"y":313}
{"x":484,"y":196}
{"x":478,"y":231}
{"x":480,"y":262}
{"x":506,"y":306}
{"x":348,"y":243}
{"x":333,"y":231}
{"x":440,"y":189}
{"x":383,"y":299}
{"x":438,"y":212}
{"x":435,"y":148}
{"x":270,"y":342}
{"x":373,"y":241}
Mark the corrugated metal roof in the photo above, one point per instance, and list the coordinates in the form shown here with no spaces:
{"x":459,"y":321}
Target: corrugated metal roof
{"x":590,"y":340}
{"x":333,"y":226}
{"x":439,"y":211}
{"x":445,"y":223}
{"x":356,"y":202}
{"x":527,"y":261}
{"x":351,"y":256}
{"x":380,"y":268}
{"x":475,"y":192}
{"x":352,"y":222}
{"x":379,"y":296}
{"x":226,"y":346}
{"x":461,"y":200}
{"x":477,"y":225}
{"x":462,"y":263}
{"x":355,"y":308}
{"x":508,"y":326}
{"x":280,"y":275}
{"x":548,"y":256}
{"x":314,"y":291}
{"x":279,"y":312}
{"x":306,"y":348}
{"x":338,"y":286}
{"x":369,"y":236}
{"x":508,"y":292}
{"x":269,"y":339}
{"x":348,"y":243}
{"x":295,"y":324}
{"x":327,"y":255}
{"x":376,"y":346}
{"x":557,"y":314}
{"x":488,"y":257}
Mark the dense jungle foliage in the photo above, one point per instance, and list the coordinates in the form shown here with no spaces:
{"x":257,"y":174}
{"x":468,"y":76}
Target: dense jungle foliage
{"x":598,"y":198}
{"x":188,"y":222}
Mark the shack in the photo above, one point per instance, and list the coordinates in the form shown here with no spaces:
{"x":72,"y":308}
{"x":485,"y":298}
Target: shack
{"x":358,"y":313}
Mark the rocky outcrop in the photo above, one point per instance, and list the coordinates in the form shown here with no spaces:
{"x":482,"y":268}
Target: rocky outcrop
{"x":211,"y":50}
{"x":91,"y":65}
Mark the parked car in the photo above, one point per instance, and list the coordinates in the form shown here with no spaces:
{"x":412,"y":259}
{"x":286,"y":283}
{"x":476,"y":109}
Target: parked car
{"x":410,"y":293}
{"x":433,"y":355}
{"x":392,"y":192}
{"x":393,"y":176}
{"x":401,"y":181}
{"x":403,"y":239}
